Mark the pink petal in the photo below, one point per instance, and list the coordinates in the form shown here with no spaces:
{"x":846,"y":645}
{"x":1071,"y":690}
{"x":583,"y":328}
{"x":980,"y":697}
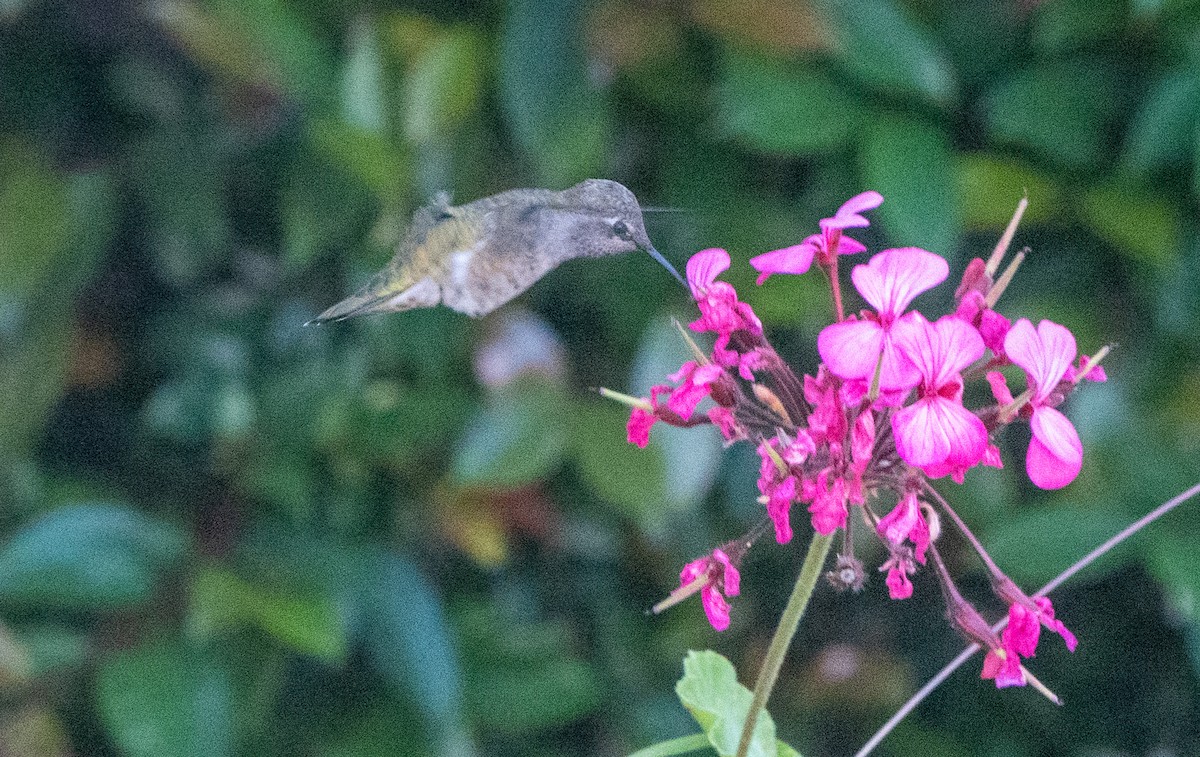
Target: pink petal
{"x":715,"y":607}
{"x":899,"y":587}
{"x":637,"y":431}
{"x":1021,"y":633}
{"x":899,"y":523}
{"x":940,"y":350}
{"x":850,"y":349}
{"x":999,"y":386}
{"x":732,"y":580}
{"x":1055,"y":452}
{"x":891,"y":279}
{"x":896,"y":371}
{"x":704,"y":267}
{"x":795,"y":259}
{"x":847,"y":216}
{"x":847,"y":246}
{"x":936,"y":431}
{"x":1045,"y":354}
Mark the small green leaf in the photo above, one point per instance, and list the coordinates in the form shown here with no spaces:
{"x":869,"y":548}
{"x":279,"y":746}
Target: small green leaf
{"x":1144,"y":226}
{"x":306,"y":621}
{"x":783,"y":106}
{"x":911,"y":163}
{"x":34,"y":218}
{"x":443,"y":86}
{"x":518,"y":438}
{"x":94,"y":556}
{"x":991,"y":186}
{"x":710,"y":690}
{"x":1061,"y":109}
{"x":879,"y":42}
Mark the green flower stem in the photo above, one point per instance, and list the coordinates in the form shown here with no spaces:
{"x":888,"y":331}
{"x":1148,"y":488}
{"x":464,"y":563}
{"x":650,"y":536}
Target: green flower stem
{"x":681,"y":745}
{"x":810,"y":573}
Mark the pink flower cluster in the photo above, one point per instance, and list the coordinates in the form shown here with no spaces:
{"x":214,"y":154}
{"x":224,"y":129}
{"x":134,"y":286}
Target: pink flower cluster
{"x":880,"y":417}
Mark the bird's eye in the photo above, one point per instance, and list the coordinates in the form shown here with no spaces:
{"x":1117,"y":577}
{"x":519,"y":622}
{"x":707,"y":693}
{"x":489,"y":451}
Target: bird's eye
{"x":621,"y":229}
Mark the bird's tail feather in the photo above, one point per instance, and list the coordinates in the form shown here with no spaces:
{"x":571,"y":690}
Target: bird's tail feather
{"x":382,"y":294}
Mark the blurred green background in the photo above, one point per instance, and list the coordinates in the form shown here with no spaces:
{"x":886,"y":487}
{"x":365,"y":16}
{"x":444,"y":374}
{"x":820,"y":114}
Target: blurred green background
{"x":222,"y":533}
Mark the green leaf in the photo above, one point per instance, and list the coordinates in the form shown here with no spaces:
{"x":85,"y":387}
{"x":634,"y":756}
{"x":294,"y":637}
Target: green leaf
{"x":1144,"y":226}
{"x":443,"y":86}
{"x":522,"y":675}
{"x":160,"y":700}
{"x":880,"y":43}
{"x":519,"y":437}
{"x":558,"y":118}
{"x":306,"y":621}
{"x":409,"y":641}
{"x":1061,"y":26}
{"x":991,"y":186}
{"x":1034,"y":545}
{"x":1160,"y":136}
{"x":710,"y":691}
{"x":911,"y":163}
{"x":632,"y":479}
{"x":362,"y":78}
{"x":302,"y":62}
{"x":34,"y":218}
{"x":1062,"y":110}
{"x":782,"y":106}
{"x":91,"y":556}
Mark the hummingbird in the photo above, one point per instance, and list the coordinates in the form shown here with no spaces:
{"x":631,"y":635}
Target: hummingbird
{"x":476,"y":257}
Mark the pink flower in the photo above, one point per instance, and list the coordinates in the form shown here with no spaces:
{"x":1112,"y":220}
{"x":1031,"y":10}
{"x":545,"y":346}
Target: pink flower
{"x":720,"y":310}
{"x":723,"y":419}
{"x":1055,"y":453}
{"x":889,"y":282}
{"x":936,"y":433}
{"x":830,"y":242}
{"x":899,"y":587}
{"x":827,"y":421}
{"x":637,"y":430}
{"x":780,"y":490}
{"x":696,"y":384}
{"x":905,"y":522}
{"x":828,"y":506}
{"x":719,"y":573}
{"x":1006,"y":669}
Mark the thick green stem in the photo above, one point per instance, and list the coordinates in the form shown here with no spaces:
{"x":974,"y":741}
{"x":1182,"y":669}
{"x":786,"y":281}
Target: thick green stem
{"x":810,"y":573}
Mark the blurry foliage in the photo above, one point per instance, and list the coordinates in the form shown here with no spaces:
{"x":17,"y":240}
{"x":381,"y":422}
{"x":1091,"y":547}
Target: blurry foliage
{"x":223,"y":533}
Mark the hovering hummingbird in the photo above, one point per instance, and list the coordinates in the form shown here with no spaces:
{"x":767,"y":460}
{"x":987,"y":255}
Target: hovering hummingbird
{"x":476,"y":257}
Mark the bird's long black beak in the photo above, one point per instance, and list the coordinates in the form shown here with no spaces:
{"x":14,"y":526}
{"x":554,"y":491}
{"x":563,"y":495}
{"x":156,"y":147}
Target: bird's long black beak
{"x":665,"y":264}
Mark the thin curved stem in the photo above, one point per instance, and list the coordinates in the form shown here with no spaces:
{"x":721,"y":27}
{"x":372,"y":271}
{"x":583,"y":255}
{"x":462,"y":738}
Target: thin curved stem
{"x":1066,"y":575}
{"x":810,"y":573}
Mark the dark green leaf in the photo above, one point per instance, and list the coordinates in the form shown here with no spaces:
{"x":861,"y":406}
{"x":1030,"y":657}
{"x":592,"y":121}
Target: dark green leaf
{"x":1063,"y":25}
{"x":559,"y":121}
{"x":710,"y":691}
{"x":911,"y":164}
{"x":782,"y":106}
{"x":878,"y":41}
{"x":1061,"y":110}
{"x":1140,"y":224}
{"x":97,"y":556}
{"x":34,"y":218}
{"x":1161,"y":135}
